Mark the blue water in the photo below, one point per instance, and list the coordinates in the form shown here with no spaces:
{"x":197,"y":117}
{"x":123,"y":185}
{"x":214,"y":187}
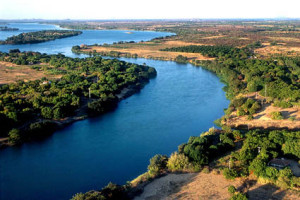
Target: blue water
{"x":64,"y":45}
{"x":181,"y":101}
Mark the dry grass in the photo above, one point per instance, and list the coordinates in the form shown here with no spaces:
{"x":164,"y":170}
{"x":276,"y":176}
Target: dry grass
{"x":262,"y":119}
{"x":210,"y":186}
{"x":151,"y":50}
{"x":10,"y":73}
{"x":279,"y":50}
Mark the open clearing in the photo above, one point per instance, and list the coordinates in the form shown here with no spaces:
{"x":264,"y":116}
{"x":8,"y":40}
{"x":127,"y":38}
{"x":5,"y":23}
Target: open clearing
{"x":150,"y":50}
{"x":262,"y":119}
{"x":210,"y":186}
{"x":10,"y":73}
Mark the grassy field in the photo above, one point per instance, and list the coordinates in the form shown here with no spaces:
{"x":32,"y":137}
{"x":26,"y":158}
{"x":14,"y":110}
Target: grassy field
{"x":11,"y":73}
{"x":276,"y":37}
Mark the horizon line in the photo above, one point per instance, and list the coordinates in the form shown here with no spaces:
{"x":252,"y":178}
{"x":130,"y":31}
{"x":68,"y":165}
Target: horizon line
{"x":151,"y":19}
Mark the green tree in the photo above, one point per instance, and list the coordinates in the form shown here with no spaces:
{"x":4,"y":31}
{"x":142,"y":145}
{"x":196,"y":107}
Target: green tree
{"x":14,"y":136}
{"x":178,"y":162}
{"x":157,"y":164}
{"x":46,"y":112}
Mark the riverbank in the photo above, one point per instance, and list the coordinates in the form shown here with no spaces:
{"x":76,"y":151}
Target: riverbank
{"x":152,"y":50}
{"x":80,"y":114}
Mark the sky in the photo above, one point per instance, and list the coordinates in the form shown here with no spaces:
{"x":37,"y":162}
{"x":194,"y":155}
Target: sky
{"x":148,"y":9}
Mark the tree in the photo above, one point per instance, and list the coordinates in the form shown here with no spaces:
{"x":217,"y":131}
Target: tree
{"x":230,"y":173}
{"x":157,"y":164}
{"x":258,"y":167}
{"x":178,"y":162}
{"x":14,"y":136}
{"x":271,"y":173}
{"x":231,"y":189}
{"x":46,"y":112}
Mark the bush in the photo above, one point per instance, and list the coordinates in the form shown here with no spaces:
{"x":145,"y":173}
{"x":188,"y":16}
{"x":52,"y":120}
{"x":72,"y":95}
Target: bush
{"x":284,"y":178}
{"x":258,"y":167}
{"x":178,"y":162}
{"x":237,"y":135}
{"x":157,"y":164}
{"x":271,"y":173}
{"x":205,"y":170}
{"x":230,"y":173}
{"x":14,"y":136}
{"x":47,"y":112}
{"x":110,"y":192}
{"x":276,"y":115}
{"x":231,"y":189}
{"x":238,"y":196}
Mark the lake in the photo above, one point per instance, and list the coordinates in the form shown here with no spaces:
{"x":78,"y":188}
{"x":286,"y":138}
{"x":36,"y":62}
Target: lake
{"x":182,"y":101}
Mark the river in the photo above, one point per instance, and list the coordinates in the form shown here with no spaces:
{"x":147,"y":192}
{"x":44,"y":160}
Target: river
{"x":181,"y":101}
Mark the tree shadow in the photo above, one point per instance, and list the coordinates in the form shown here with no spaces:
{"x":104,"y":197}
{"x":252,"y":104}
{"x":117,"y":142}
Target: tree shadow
{"x":267,"y":191}
{"x":288,"y":114}
{"x":258,"y":116}
{"x":246,"y":185}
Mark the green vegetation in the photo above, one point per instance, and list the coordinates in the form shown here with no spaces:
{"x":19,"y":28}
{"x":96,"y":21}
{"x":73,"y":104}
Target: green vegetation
{"x":231,"y":189}
{"x":39,"y":36}
{"x":276,"y":115}
{"x":110,"y":192}
{"x":275,"y":78}
{"x":157,"y":164}
{"x":210,"y":51}
{"x":93,"y":81}
{"x":181,"y":59}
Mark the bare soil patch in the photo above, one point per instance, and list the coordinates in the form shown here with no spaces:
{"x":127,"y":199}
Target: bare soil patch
{"x":10,"y":73}
{"x":262,"y":119}
{"x":210,"y":186}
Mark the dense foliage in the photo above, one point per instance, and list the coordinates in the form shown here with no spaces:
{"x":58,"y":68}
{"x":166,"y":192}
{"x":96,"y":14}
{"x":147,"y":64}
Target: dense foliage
{"x":210,"y":51}
{"x":94,"y":82}
{"x":276,"y":78}
{"x":39,"y":36}
{"x":111,"y":192}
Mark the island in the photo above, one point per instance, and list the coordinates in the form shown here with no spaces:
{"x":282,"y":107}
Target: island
{"x":40,"y":36}
{"x":5,"y":28}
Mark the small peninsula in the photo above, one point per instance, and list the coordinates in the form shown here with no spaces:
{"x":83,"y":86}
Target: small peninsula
{"x":40,"y":36}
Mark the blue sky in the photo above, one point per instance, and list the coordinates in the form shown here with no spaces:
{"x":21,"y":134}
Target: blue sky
{"x":153,"y":9}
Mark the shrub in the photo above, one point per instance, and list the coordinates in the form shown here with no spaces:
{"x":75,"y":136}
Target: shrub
{"x":237,"y":135}
{"x":178,"y":162}
{"x":271,"y":173}
{"x":284,"y":178}
{"x":206,"y":170}
{"x":230,"y":173}
{"x":240,"y":112}
{"x":231,"y":189}
{"x":276,"y":115}
{"x":258,"y":166}
{"x":238,"y":196}
{"x":14,"y":136}
{"x":157,"y":164}
{"x":46,"y":112}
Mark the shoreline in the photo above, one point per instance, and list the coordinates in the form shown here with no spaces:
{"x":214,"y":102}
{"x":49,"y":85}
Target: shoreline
{"x":81,"y":115}
{"x":243,"y":125}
